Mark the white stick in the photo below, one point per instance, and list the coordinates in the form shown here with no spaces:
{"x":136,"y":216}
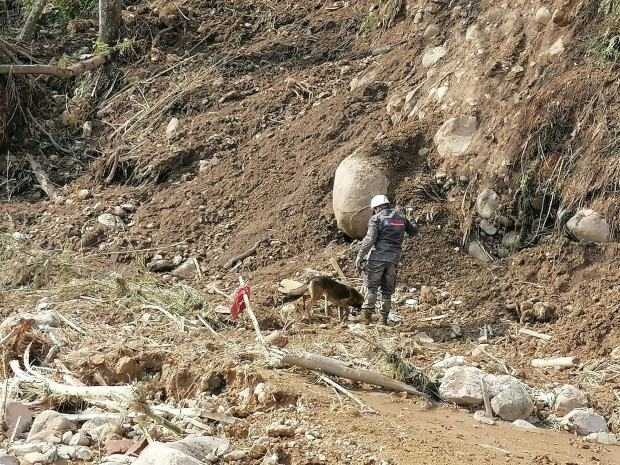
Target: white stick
{"x":248,"y":307}
{"x":346,"y":392}
{"x":558,"y":362}
{"x":70,"y":323}
{"x":485,"y":396}
{"x":529,"y":332}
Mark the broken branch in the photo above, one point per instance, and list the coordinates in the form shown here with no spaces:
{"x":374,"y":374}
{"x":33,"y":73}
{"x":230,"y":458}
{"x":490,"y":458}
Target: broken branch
{"x":51,"y":70}
{"x":529,"y":332}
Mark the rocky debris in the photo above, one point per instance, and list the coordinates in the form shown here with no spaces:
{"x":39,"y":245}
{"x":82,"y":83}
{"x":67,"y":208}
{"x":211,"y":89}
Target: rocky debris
{"x":476,"y":250}
{"x":17,"y":418}
{"x":192,"y":450}
{"x":585,"y":422}
{"x":264,"y":394}
{"x":278,"y":430}
{"x":615,"y":354}
{"x":478,"y":352}
{"x":49,"y":424}
{"x":186,"y":270}
{"x":449,"y":361}
{"x":236,"y":456}
{"x":512,"y":403}
{"x":498,"y":383}
{"x":356,"y":181}
{"x":589,"y":226}
{"x":102,"y":429}
{"x":110,"y":221}
{"x":364,"y":80}
{"x":511,"y":240}
{"x":172,"y":129}
{"x":432,"y":56}
{"x":524,"y":424}
{"x":427,"y":295}
{"x":487,"y":203}
{"x":569,"y":398}
{"x":608,"y":439}
{"x":481,"y":417}
{"x":488,"y":228}
{"x":277,"y":339}
{"x":83,"y":194}
{"x":8,"y":460}
{"x":118,"y":446}
{"x":66,"y":437}
{"x":117,"y":459}
{"x":80,"y":439}
{"x":160,"y":265}
{"x":543,"y":15}
{"x":536,"y":312}
{"x":462,"y":386}
{"x":557,"y":48}
{"x":456,"y":135}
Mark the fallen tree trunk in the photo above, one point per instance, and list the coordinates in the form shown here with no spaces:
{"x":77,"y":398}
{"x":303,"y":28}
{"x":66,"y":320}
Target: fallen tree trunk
{"x":30,"y":26}
{"x":336,"y":368}
{"x":51,"y":70}
{"x":558,"y":362}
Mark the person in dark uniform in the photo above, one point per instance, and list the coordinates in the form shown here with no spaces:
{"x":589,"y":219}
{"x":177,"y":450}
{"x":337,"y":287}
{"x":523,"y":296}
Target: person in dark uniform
{"x":380,"y":253}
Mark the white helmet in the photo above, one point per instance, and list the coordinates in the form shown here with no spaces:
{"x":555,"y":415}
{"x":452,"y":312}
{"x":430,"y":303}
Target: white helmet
{"x":378,"y":200}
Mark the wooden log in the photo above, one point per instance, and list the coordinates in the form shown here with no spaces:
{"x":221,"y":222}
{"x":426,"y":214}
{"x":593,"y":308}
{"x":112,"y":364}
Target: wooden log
{"x":334,"y":367}
{"x":51,"y":70}
{"x":529,"y":332}
{"x":557,"y":362}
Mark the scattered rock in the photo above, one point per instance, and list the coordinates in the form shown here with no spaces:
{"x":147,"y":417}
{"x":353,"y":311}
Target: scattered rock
{"x":498,"y":383}
{"x":476,"y":250}
{"x":461,"y":385}
{"x":481,"y":417}
{"x":511,"y":240}
{"x":49,"y":424}
{"x":278,"y":430}
{"x":83,"y":194}
{"x":160,"y":265}
{"x":473,"y":33}
{"x":488,"y":228}
{"x":524,"y":424}
{"x":585,"y":422}
{"x":449,"y":362}
{"x":80,"y":439}
{"x":66,"y":437}
{"x":615,"y":354}
{"x":277,"y":339}
{"x":186,"y":270}
{"x":569,"y":398}
{"x":36,"y":458}
{"x":589,"y":226}
{"x":118,"y":446}
{"x":17,"y":418}
{"x":455,"y":136}
{"x":557,"y":48}
{"x":87,"y":129}
{"x":431,"y":31}
{"x":478,"y":353}
{"x":433,"y":55}
{"x":236,"y":456}
{"x":188,"y":451}
{"x":102,"y":429}
{"x":487,"y":203}
{"x":110,"y":221}
{"x":364,"y":80}
{"x":608,"y":439}
{"x":543,"y":15}
{"x":427,"y":296}
{"x":8,"y":460}
{"x":513,"y":403}
{"x":264,"y":394}
{"x":172,"y":129}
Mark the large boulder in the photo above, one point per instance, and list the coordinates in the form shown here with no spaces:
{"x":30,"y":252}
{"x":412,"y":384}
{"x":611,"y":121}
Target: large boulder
{"x":455,"y":136}
{"x":357,"y":180}
{"x":585,"y":422}
{"x":568,"y":398}
{"x":589,"y":226}
{"x":462,"y":386}
{"x":512,"y":403}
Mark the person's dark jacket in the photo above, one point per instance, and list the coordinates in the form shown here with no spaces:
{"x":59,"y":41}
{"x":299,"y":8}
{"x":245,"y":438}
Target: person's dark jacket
{"x":383,"y":241}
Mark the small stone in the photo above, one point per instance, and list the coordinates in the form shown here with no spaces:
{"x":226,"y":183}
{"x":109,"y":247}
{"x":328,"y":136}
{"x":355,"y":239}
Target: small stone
{"x":481,"y":417}
{"x":512,"y":403}
{"x":488,"y":228}
{"x":589,"y":226}
{"x":87,"y":129}
{"x":523,"y":424}
{"x":585,"y":422}
{"x":66,"y":437}
{"x":615,"y":354}
{"x":17,"y":418}
{"x":172,"y":129}
{"x":160,"y":265}
{"x":118,"y":446}
{"x":478,"y":353}
{"x":48,"y":424}
{"x":433,"y":55}
{"x":569,"y":398}
{"x":119,"y":211}
{"x":543,"y":15}
{"x":264,"y":394}
{"x":83,"y":194}
{"x":236,"y":456}
{"x":608,"y":439}
{"x":487,"y":203}
{"x":110,"y":221}
{"x":476,"y":250}
{"x":431,"y":31}
{"x":427,"y":296}
{"x":557,"y":48}
{"x":277,"y":339}
{"x":102,"y":429}
{"x":36,"y":458}
{"x":8,"y":460}
{"x":80,"y":439}
{"x":455,"y":136}
{"x":281,"y":431}
{"x":128,"y":207}
{"x":186,"y":270}
{"x":83,"y":453}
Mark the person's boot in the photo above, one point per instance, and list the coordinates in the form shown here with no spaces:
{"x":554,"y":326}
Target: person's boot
{"x":386,"y":306}
{"x":384,"y":318}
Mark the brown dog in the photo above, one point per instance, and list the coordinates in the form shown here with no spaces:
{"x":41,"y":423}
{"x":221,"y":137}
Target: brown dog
{"x":342,"y":296}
